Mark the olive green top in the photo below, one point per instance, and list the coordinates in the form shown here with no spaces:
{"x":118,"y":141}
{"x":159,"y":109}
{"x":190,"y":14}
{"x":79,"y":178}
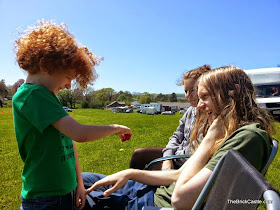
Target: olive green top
{"x":250,"y":141}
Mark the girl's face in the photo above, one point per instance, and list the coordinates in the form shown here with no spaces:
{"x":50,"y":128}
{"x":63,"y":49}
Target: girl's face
{"x":190,"y":93}
{"x":206,"y":103}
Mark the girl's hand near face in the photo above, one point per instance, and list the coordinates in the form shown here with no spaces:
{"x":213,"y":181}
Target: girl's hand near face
{"x":216,"y":130}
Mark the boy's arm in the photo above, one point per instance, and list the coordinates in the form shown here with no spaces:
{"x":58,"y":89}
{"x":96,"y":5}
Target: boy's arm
{"x":84,"y":133}
{"x":80,"y":198}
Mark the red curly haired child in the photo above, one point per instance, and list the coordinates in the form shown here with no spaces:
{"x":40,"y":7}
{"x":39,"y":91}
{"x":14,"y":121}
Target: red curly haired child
{"x":44,"y":131}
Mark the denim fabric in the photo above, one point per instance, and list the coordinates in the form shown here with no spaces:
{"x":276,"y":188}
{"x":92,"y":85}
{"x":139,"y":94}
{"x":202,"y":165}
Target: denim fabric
{"x":64,"y":202}
{"x":132,"y":196}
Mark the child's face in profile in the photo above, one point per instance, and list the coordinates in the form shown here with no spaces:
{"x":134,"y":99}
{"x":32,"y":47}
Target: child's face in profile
{"x":60,"y":80}
{"x":190,"y":93}
{"x":206,"y":104}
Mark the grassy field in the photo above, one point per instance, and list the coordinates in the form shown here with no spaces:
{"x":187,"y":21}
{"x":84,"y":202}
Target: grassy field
{"x":102,"y":156}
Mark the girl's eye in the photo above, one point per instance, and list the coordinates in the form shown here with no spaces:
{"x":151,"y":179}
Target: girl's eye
{"x":205,"y":96}
{"x":190,"y":91}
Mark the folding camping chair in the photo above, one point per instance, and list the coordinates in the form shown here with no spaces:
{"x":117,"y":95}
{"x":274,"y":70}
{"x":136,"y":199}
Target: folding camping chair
{"x":235,"y":183}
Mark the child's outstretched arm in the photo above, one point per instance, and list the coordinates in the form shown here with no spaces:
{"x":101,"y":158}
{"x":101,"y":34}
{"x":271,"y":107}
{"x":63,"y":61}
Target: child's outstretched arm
{"x":84,"y":133}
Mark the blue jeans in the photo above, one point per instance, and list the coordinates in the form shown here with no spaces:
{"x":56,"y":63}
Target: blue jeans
{"x":49,"y":203}
{"x":132,"y":196}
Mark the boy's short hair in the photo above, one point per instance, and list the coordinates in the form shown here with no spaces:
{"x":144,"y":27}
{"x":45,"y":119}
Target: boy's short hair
{"x":49,"y":47}
{"x":194,"y":73}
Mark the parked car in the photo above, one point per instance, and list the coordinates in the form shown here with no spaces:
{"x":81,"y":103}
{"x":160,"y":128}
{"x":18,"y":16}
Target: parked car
{"x":168,"y":113}
{"x":182,"y":111}
{"x":267,"y":84}
{"x":149,"y":110}
{"x":67,"y":109}
{"x":129,"y":111}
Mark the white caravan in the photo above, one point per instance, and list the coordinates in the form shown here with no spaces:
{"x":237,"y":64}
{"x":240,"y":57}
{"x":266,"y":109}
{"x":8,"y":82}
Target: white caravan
{"x":267,"y":84}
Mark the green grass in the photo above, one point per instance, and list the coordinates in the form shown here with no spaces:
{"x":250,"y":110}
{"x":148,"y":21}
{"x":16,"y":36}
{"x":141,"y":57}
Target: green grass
{"x":101,"y":156}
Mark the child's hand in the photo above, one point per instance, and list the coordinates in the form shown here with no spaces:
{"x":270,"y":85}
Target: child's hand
{"x":80,"y":197}
{"x":124,"y":133}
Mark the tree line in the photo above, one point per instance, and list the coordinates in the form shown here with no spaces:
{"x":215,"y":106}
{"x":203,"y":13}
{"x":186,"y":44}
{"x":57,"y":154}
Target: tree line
{"x":90,"y":98}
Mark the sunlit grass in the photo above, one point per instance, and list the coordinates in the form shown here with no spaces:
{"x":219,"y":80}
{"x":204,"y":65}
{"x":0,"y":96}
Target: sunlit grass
{"x":101,"y":156}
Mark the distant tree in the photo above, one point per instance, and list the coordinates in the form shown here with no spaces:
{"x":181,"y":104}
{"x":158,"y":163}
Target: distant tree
{"x":148,"y":99}
{"x":85,"y":104}
{"x":144,"y":99}
{"x":3,"y":88}
{"x":17,"y":84}
{"x":173,"y":97}
{"x":129,"y":97}
{"x":120,"y":92}
{"x":64,"y":97}
{"x":88,"y":94}
{"x":71,"y":97}
{"x":121,"y":97}
{"x":10,"y":90}
{"x":103,"y":95}
{"x":77,"y":95}
{"x":162,"y":97}
{"x":135,"y":97}
{"x":159,"y":97}
{"x":153,"y":97}
{"x":183,"y":100}
{"x":96,"y":104}
{"x":146,"y":94}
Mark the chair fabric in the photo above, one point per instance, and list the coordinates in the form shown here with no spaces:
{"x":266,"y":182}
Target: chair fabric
{"x":271,"y":157}
{"x":238,"y":185}
{"x":144,"y":155}
{"x":150,"y":158}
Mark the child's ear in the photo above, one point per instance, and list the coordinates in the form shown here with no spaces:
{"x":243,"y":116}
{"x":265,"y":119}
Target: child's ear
{"x":232,"y":92}
{"x":42,"y":66}
{"x":237,"y":86}
{"x":44,"y":71}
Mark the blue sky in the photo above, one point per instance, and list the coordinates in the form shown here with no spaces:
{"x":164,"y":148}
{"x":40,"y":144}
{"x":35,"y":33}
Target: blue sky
{"x":147,"y":45}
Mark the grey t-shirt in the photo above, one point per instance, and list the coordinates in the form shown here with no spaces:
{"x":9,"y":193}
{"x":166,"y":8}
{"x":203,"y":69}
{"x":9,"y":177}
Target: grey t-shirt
{"x":179,"y":142}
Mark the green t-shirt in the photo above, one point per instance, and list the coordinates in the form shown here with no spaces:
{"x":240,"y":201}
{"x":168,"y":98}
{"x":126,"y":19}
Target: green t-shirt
{"x":48,"y":155}
{"x":250,"y":141}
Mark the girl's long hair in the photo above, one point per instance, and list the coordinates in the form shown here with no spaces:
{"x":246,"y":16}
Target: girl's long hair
{"x":233,"y":87}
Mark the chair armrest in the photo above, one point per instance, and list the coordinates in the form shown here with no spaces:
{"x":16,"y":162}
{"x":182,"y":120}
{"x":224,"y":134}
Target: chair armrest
{"x":273,"y":153}
{"x":155,"y":208}
{"x":171,"y":157}
{"x":272,"y":200}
